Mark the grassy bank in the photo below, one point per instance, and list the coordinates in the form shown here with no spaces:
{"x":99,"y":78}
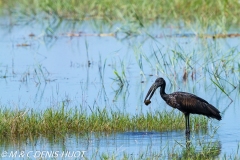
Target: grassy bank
{"x":27,"y":124}
{"x":208,"y":13}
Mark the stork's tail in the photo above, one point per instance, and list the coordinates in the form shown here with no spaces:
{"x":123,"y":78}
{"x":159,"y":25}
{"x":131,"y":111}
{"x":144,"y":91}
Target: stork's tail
{"x":215,"y":113}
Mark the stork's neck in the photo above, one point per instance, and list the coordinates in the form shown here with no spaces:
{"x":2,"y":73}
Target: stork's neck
{"x":162,"y":92}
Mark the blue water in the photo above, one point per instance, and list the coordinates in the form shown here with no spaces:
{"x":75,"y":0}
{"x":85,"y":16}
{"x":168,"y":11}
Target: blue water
{"x":55,"y":68}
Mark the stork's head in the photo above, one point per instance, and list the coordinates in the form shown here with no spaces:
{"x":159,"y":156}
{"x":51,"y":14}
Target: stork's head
{"x":159,"y":82}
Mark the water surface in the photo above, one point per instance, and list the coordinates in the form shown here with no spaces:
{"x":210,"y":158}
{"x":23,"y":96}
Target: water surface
{"x":79,"y":71}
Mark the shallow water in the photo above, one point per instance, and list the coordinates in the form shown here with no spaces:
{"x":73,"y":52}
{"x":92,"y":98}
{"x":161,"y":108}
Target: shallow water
{"x":131,"y":144}
{"x":80,"y":72}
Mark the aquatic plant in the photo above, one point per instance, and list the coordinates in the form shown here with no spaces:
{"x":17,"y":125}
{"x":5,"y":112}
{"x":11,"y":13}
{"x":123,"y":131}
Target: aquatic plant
{"x":32,"y":124}
{"x":214,"y":15}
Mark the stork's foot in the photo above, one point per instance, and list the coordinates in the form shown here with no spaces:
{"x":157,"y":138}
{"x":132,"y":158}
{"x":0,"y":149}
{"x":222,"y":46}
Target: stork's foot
{"x":187,"y":136}
{"x":187,"y":132}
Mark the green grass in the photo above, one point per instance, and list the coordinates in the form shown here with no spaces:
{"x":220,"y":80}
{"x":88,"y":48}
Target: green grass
{"x":210,"y":14}
{"x":31,"y":124}
{"x":120,"y":76}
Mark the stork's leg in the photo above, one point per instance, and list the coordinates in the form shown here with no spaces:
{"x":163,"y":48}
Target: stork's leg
{"x":187,"y":124}
{"x":187,"y":130}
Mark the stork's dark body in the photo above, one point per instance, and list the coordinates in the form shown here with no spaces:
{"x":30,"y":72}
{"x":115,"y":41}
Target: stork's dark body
{"x":189,"y":103}
{"x":186,"y":102}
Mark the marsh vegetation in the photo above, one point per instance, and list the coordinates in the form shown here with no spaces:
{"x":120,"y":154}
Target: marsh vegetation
{"x":29,"y":124}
